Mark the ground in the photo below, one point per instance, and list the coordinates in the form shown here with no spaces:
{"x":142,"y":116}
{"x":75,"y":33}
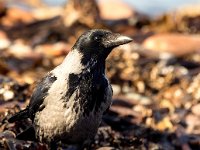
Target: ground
{"x":156,"y":99}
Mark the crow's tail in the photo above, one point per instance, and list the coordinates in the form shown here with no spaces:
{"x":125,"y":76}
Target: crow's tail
{"x":19,"y":116}
{"x":28,"y":134}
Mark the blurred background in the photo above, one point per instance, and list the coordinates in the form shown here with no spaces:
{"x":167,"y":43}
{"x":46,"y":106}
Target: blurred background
{"x":155,"y":79}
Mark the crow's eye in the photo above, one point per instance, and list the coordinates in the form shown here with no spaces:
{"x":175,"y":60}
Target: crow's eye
{"x":97,"y":38}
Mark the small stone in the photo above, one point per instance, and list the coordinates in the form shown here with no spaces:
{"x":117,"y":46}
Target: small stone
{"x":8,"y":95}
{"x":108,"y":6}
{"x":116,"y":89}
{"x":196,"y":109}
{"x":7,"y":134}
{"x":143,"y":100}
{"x":124,"y":111}
{"x":142,"y":110}
{"x":164,"y":124}
{"x":174,"y":43}
{"x":47,"y":12}
{"x":53,"y":50}
{"x":16,"y":15}
{"x":167,"y":104}
{"x":21,"y":50}
{"x":4,"y":41}
{"x":192,"y":123}
{"x":106,"y":148}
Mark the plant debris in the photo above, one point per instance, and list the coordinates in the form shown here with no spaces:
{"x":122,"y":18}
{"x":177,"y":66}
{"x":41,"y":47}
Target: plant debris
{"x":156,"y":102}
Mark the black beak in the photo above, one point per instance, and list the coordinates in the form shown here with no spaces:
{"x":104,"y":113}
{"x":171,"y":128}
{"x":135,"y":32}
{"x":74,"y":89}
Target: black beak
{"x":114,"y":39}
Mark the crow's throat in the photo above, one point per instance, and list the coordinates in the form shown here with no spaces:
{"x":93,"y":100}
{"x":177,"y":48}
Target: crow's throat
{"x":90,"y":87}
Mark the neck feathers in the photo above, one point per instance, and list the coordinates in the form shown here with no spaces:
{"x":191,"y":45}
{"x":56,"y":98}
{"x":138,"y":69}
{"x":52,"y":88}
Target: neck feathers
{"x":75,"y":62}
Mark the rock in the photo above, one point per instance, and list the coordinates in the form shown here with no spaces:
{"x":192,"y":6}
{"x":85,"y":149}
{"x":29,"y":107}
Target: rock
{"x":139,"y":98}
{"x":81,"y":11}
{"x":164,"y":124}
{"x":114,"y":10}
{"x":58,"y":60}
{"x":121,"y":100}
{"x":53,"y":50}
{"x":177,"y":44}
{"x":188,"y":10}
{"x":7,"y":134}
{"x":124,"y":111}
{"x":4,"y":41}
{"x":116,"y":89}
{"x":14,"y":144}
{"x":196,"y":109}
{"x":106,"y":148}
{"x":143,"y":110}
{"x":20,"y":50}
{"x":8,"y":95}
{"x":167,"y":104}
{"x":47,"y":12}
{"x":192,"y":123}
{"x":16,"y":15}
{"x":194,"y":87}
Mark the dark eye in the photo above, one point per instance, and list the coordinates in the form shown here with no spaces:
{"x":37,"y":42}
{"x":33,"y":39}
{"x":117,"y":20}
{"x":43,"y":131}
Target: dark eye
{"x":97,"y":38}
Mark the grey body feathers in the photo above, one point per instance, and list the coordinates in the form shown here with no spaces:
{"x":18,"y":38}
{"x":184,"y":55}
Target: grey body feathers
{"x":73,"y":117}
{"x":68,"y":103}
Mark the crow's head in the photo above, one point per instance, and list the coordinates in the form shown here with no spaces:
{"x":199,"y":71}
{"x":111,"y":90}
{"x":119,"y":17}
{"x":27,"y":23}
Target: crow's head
{"x":99,"y":43}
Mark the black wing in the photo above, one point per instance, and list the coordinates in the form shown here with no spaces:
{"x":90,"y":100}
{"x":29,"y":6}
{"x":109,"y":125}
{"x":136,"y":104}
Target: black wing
{"x":38,"y":96}
{"x":91,"y":90}
{"x":40,"y":93}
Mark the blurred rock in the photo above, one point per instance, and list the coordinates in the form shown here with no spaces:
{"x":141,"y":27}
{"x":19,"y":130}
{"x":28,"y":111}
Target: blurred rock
{"x":53,"y":50}
{"x":141,"y":99}
{"x":2,"y":7}
{"x":121,"y":66}
{"x":7,"y":134}
{"x":187,"y":20}
{"x":28,"y":76}
{"x":145,"y":112}
{"x":47,"y":12}
{"x":188,"y":11}
{"x":58,"y":60}
{"x":163,"y":124}
{"x":114,"y":10}
{"x":124,"y":111}
{"x":121,"y":100}
{"x":116,"y":89}
{"x":21,"y":50}
{"x":15,"y":16}
{"x":12,"y":90}
{"x":4,"y":41}
{"x":14,"y":144}
{"x":196,"y":109}
{"x":192,"y":124}
{"x":177,"y":44}
{"x":84,"y":12}
{"x":27,"y":3}
{"x":194,"y":87}
{"x":8,"y":95}
{"x":106,"y":148}
{"x":167,"y":104}
{"x":20,"y":57}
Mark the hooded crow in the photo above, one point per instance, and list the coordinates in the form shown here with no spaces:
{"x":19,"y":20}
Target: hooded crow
{"x":68,"y":103}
